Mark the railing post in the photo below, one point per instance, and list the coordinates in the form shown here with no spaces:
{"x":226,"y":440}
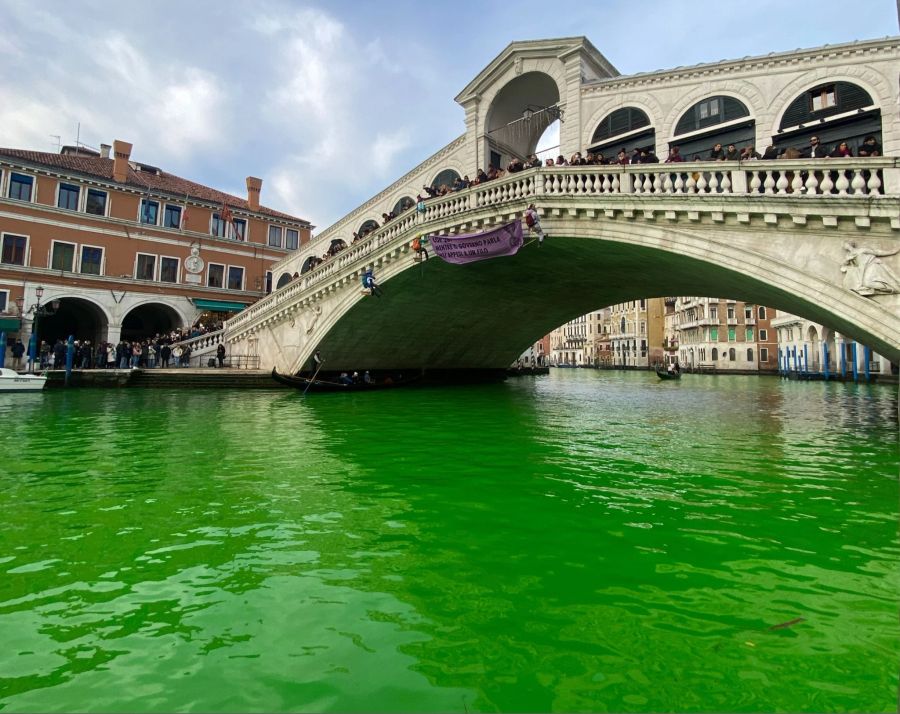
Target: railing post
{"x":626,"y":181}
{"x":539,"y":183}
{"x":739,"y":181}
{"x":891,"y":181}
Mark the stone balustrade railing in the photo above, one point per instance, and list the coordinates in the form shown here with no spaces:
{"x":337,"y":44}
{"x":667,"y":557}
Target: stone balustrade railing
{"x":202,"y":342}
{"x":851,"y":178}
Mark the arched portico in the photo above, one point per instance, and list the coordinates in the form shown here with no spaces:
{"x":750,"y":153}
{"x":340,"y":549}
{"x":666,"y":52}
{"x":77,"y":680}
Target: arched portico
{"x":77,"y":316}
{"x":148,"y":319}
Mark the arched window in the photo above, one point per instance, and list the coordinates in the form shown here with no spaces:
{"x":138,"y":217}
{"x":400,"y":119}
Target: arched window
{"x":715,"y":354}
{"x":628,"y":127}
{"x":284,"y":279}
{"x":714,"y":120}
{"x":403,"y":204}
{"x":308,"y":264}
{"x":732,"y":355}
{"x":445,"y":178}
{"x":833,"y":112}
{"x":367,"y":227}
{"x":750,"y":355}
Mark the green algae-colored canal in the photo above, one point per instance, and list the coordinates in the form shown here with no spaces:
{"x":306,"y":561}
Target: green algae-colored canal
{"x":584,"y":541}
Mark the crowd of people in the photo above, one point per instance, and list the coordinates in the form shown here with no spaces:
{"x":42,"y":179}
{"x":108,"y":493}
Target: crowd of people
{"x":157,"y":352}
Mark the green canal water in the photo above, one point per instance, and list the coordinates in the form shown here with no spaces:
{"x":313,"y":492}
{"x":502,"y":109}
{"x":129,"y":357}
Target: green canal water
{"x":579,"y":542}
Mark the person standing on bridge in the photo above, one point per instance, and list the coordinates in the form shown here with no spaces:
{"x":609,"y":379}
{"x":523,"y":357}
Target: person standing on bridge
{"x":533,"y":221}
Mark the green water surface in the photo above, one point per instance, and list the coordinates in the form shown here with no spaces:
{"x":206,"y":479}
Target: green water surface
{"x":579,"y":542}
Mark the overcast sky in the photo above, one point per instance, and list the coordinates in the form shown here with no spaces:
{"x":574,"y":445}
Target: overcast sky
{"x":329,"y":102}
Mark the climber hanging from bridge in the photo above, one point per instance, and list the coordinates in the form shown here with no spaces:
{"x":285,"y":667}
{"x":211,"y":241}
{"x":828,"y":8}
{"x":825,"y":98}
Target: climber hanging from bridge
{"x":533,"y":221}
{"x":418,"y":245}
{"x":370,"y":286}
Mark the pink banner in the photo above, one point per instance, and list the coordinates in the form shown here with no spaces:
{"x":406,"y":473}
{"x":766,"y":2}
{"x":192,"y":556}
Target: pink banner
{"x":496,"y":243}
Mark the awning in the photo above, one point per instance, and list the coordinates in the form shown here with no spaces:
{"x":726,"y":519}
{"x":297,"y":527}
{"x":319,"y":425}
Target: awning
{"x":10,"y":324}
{"x":219,"y":305}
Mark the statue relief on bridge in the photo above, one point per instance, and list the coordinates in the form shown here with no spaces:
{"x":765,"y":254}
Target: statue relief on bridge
{"x":865,"y":273}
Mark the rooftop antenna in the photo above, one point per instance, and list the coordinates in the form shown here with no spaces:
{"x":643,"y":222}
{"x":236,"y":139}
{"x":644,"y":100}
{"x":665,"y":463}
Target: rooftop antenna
{"x":78,"y":131}
{"x":59,"y":139}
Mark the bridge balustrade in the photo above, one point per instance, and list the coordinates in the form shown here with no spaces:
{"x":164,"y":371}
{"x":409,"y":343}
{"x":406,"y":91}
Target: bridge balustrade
{"x":861,"y":178}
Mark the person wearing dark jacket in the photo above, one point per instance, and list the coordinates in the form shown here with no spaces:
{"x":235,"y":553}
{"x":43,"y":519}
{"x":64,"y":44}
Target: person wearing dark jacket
{"x":220,"y":354}
{"x":869,"y":147}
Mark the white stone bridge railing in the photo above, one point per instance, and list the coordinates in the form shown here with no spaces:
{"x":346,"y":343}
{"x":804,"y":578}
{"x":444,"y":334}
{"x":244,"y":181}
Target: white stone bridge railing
{"x":852,"y":179}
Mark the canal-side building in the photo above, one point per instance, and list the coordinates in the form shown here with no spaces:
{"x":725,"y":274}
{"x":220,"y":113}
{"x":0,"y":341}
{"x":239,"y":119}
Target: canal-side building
{"x":637,"y":331}
{"x":101,"y":246}
{"x":806,"y":347}
{"x":717,"y":334}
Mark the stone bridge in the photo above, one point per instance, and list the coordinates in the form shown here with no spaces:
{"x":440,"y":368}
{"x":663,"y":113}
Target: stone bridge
{"x":816,"y":237}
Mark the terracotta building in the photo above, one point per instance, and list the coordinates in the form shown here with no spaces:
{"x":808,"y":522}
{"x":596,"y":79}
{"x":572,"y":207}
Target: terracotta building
{"x":99,"y":246}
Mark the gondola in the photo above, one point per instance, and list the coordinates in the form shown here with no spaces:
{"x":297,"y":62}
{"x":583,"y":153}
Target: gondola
{"x":325,"y":385}
{"x":665,"y":374}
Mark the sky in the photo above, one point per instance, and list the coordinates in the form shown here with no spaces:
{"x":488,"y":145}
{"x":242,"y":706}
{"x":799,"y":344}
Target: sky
{"x":330,"y":102}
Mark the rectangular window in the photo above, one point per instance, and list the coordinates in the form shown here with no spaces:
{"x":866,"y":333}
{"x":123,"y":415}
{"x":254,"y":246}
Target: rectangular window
{"x":268,"y":281}
{"x":732,"y":334}
{"x":291,"y":239}
{"x":749,"y":335}
{"x":240,"y":229}
{"x":763,"y":354}
{"x":731,"y":312}
{"x":218,"y":227}
{"x":761,"y":312}
{"x":215,"y":276}
{"x":748,"y":312}
{"x":20,"y":186}
{"x":91,"y":260}
{"x":235,"y":278}
{"x":168,"y":270}
{"x":713,"y":334}
{"x":823,"y":98}
{"x":62,"y":256}
{"x":172,"y":216}
{"x":145,"y":267}
{"x":149,"y":212}
{"x":713,"y":312}
{"x":68,"y":196}
{"x":96,"y":202}
{"x":275,"y":236}
{"x":14,"y":250}
{"x":763,"y":336}
{"x":4,"y":300}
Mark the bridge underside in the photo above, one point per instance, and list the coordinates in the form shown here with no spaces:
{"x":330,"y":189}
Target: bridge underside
{"x":484,"y":315}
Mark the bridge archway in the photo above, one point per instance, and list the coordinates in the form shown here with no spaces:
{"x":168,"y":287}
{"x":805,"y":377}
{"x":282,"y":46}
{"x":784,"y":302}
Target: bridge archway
{"x":76,"y":316}
{"x":718,"y":119}
{"x":285,"y":278}
{"x":404,"y":204}
{"x":149,"y":319}
{"x":518,"y":115}
{"x":367,"y":227}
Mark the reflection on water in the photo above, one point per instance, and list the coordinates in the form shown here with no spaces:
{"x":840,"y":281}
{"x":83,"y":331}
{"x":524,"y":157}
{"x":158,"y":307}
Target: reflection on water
{"x":586,"y":541}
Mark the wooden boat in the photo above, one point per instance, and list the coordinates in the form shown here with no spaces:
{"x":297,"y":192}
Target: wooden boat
{"x":12,"y":381}
{"x":665,"y":374}
{"x":324,"y":385}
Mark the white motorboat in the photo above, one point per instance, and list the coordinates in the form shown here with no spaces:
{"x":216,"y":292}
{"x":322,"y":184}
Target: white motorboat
{"x":12,"y":381}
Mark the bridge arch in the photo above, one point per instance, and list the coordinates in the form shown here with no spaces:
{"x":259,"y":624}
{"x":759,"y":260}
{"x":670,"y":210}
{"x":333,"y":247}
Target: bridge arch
{"x":520,"y":110}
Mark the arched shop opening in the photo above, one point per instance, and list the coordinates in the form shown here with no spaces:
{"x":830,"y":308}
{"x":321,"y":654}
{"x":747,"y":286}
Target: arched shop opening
{"x":714,"y":120}
{"x":148,"y":320}
{"x":445,"y":178}
{"x":77,"y":317}
{"x":833,"y":112}
{"x":286,"y":277}
{"x":627,"y":128}
{"x":367,"y":227}
{"x":404,"y":204}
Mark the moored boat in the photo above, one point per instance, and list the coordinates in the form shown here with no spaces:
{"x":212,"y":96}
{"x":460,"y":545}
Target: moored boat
{"x":325,"y":385}
{"x":12,"y":381}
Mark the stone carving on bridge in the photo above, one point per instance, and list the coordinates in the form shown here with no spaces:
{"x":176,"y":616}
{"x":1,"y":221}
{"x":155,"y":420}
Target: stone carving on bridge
{"x":316,"y":313}
{"x":866,"y":273}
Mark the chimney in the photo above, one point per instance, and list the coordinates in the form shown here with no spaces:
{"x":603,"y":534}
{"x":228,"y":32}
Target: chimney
{"x":104,"y":151}
{"x":121,"y":154}
{"x":253,"y":187}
